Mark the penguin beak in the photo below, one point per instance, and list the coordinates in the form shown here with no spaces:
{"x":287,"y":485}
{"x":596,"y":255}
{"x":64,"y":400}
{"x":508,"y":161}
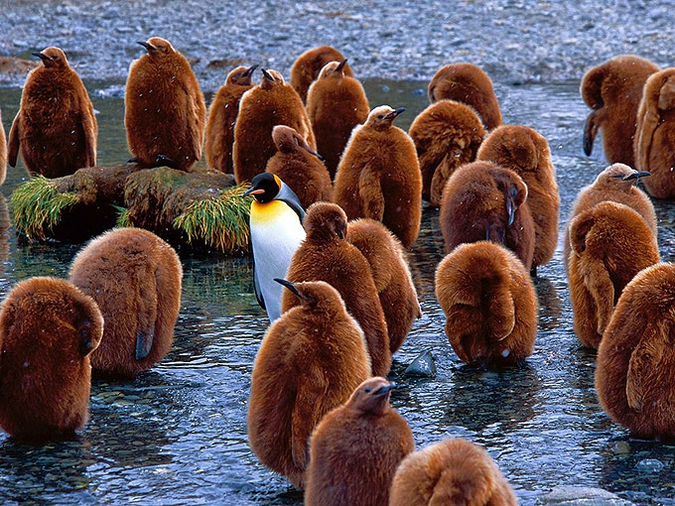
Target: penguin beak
{"x":253,"y":191}
{"x":249,"y":71}
{"x":43,"y":57}
{"x":636,"y":175}
{"x":384,"y":389}
{"x":394,"y":113}
{"x":148,"y":47}
{"x":267,"y":75}
{"x":341,"y":65}
{"x":290,"y":286}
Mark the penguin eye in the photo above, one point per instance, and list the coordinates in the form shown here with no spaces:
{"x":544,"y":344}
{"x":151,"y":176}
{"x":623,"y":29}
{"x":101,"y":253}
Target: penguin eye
{"x":380,"y":116}
{"x":367,"y":389}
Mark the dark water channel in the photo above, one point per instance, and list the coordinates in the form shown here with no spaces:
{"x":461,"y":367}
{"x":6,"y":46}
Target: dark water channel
{"x":177,"y":434}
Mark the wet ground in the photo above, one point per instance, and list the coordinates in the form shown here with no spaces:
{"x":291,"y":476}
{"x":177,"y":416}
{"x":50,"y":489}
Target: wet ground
{"x":177,"y":434}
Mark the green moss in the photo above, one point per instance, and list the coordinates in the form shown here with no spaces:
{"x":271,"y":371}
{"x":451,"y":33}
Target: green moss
{"x":123,"y":219}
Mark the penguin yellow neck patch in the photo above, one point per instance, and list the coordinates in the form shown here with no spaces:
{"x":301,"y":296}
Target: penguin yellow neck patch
{"x":273,"y":210}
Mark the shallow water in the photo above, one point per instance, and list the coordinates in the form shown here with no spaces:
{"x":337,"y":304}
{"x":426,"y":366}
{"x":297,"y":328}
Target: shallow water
{"x":177,"y":434}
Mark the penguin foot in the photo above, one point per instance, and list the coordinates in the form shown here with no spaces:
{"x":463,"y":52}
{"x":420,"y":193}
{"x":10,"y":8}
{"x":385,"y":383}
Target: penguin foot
{"x":163,"y":160}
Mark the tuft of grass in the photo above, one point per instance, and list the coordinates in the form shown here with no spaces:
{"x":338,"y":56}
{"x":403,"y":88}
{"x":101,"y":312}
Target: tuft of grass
{"x":37,"y":206}
{"x":123,"y":220}
{"x":221,"y":222}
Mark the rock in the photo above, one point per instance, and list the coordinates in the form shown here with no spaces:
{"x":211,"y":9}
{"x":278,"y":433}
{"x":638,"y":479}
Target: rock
{"x":567,"y":495}
{"x":423,"y":366}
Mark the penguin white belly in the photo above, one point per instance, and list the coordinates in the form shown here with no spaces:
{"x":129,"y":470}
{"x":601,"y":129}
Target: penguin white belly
{"x":276,"y":232}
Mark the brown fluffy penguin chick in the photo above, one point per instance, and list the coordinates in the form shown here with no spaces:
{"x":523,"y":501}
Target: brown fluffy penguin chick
{"x":326,"y":255}
{"x":310,"y":361}
{"x":221,"y":119}
{"x":272,"y":102}
{"x":482,"y":200}
{"x":635,"y":371}
{"x":55,"y":127}
{"x":613,"y":90}
{"x":164,"y":109}
{"x":526,"y":152}
{"x":355,"y":450}
{"x":490,"y":304}
{"x":466,"y":83}
{"x":48,"y":328}
{"x":379,"y":176}
{"x":308,"y":66}
{"x":135,"y":277}
{"x":389,"y":266}
{"x":610,"y":243}
{"x":453,"y":471}
{"x":3,"y":154}
{"x":617,"y":183}
{"x":446,"y":134}
{"x":299,"y":167}
{"x":655,"y":137}
{"x":336,"y":103}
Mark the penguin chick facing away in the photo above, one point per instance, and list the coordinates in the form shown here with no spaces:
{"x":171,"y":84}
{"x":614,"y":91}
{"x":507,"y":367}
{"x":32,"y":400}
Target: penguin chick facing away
{"x":55,"y":127}
{"x":48,"y":328}
{"x":276,"y":233}
{"x":490,"y":304}
{"x":135,"y":278}
{"x":356,"y":448}
{"x":308,"y":65}
{"x":164,"y":108}
{"x":309,"y":362}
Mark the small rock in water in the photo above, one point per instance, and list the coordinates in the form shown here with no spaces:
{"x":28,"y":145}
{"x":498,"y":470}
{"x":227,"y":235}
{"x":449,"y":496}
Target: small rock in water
{"x":566,"y":495}
{"x":424,"y":365}
{"x":650,"y":466}
{"x":621,"y":447}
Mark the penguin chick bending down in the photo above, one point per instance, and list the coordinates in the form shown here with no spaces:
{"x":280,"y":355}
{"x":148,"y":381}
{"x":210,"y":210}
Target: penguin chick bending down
{"x":326,"y":255}
{"x":635,"y":376}
{"x":308,"y":66}
{"x":613,"y":90}
{"x":135,"y":277}
{"x":482,"y":200}
{"x":655,"y":137}
{"x":526,"y":152}
{"x":336,"y":104}
{"x":446,"y":134}
{"x":309,"y":362}
{"x":48,"y":328}
{"x":276,"y":232}
{"x":356,"y":448}
{"x":617,"y":183}
{"x":272,"y":102}
{"x":391,"y":274}
{"x":300,"y":167}
{"x":469,"y":84}
{"x":164,"y":108}
{"x":379,"y":176}
{"x":490,"y":304}
{"x":610,"y":244}
{"x":55,"y":127}
{"x":453,"y":471}
{"x":222,"y":117}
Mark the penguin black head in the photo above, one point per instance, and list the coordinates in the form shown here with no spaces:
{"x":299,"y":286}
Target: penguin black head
{"x":266,"y":187}
{"x":52,"y":57}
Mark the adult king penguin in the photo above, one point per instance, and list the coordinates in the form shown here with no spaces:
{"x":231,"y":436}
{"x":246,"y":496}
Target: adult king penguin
{"x":276,"y":232}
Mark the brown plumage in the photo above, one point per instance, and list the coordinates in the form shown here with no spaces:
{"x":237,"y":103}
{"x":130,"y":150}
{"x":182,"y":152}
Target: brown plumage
{"x":272,"y":102}
{"x":379,"y":176}
{"x":55,"y":127}
{"x":482,"y":200}
{"x":447,"y":134}
{"x":48,"y":328}
{"x":326,"y":255}
{"x":308,"y":66}
{"x":391,"y":274}
{"x":527,"y":153}
{"x":310,"y":361}
{"x":617,"y":184}
{"x":299,"y":166}
{"x":634,"y":373}
{"x":336,"y":103}
{"x":613,"y":90}
{"x":222,"y":116}
{"x":135,"y":277}
{"x":3,"y":153}
{"x":655,"y":137}
{"x":466,"y":83}
{"x":452,"y":472}
{"x":490,"y":304}
{"x":164,"y":109}
{"x":355,"y":450}
{"x":610,"y":244}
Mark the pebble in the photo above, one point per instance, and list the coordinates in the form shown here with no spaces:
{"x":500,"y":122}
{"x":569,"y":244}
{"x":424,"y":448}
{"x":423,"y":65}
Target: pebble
{"x":424,"y":366}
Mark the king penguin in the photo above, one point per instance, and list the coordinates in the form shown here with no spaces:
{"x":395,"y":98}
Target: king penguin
{"x":276,"y":232}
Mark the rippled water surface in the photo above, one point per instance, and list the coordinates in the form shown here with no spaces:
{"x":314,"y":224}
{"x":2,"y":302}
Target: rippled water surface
{"x":177,"y":434}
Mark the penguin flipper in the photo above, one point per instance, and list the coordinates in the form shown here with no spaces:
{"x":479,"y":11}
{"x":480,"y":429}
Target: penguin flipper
{"x":146,"y":314}
{"x":370,"y":191}
{"x":644,"y":361}
{"x":90,"y":130}
{"x":13,"y":143}
{"x":143,"y":344}
{"x":307,"y":414}
{"x":257,"y":290}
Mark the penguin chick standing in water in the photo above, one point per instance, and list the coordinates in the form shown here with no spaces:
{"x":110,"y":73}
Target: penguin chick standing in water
{"x":379,"y":176}
{"x":222,"y":116}
{"x":276,"y":232}
{"x":310,"y":361}
{"x":164,"y":109}
{"x":55,"y":127}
